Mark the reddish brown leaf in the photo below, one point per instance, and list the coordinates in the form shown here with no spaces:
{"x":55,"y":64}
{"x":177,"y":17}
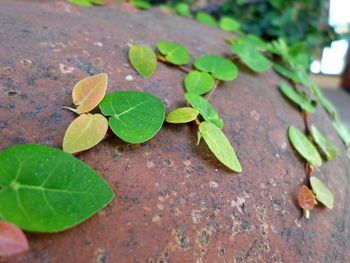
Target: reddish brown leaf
{"x":12,"y":240}
{"x":306,"y":198}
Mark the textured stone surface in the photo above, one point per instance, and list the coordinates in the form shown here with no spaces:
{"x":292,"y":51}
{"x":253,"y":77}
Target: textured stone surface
{"x":174,"y":201}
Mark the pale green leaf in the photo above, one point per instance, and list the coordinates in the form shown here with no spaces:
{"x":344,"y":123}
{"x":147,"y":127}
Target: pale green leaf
{"x":143,"y":59}
{"x":174,"y":52}
{"x":182,"y":115}
{"x":135,"y":116}
{"x":206,"y":19}
{"x":327,"y":148}
{"x":304,"y":146}
{"x":198,"y":82}
{"x":298,"y":97}
{"x":183,"y":9}
{"x":205,"y":109}
{"x":220,"y":146}
{"x":342,"y":131}
{"x":44,"y":189}
{"x":220,"y":68}
{"x":85,"y":132}
{"x":322,"y":192}
{"x":229,"y":24}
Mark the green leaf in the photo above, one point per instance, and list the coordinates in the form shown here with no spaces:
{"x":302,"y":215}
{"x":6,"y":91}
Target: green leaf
{"x":298,"y":97}
{"x":342,"y":131}
{"x":44,"y":189}
{"x":326,"y":104}
{"x":322,"y":192}
{"x":143,"y":59}
{"x":198,"y":82}
{"x":219,"y":67}
{"x":135,"y":116}
{"x":85,"y":132}
{"x":142,"y":4}
{"x":80,"y":2}
{"x":229,"y":24}
{"x":286,"y":72}
{"x":327,"y":148}
{"x":183,"y":9}
{"x":304,"y":147}
{"x":182,"y":115}
{"x":205,"y":109}
{"x":220,"y":146}
{"x":251,"y":57}
{"x":206,"y":19}
{"x":254,"y":41}
{"x":174,"y":52}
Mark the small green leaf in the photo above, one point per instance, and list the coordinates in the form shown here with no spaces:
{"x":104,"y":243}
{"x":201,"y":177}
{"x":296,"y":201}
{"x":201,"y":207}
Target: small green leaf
{"x":286,"y":72}
{"x":254,"y":41}
{"x":85,"y":132}
{"x":80,"y":2}
{"x":298,"y":97}
{"x":251,"y":57}
{"x":183,"y":9}
{"x":219,"y":67}
{"x":135,"y":116}
{"x":304,"y":147}
{"x":206,"y":19}
{"x":174,"y":52}
{"x":326,"y":104}
{"x":220,"y":146}
{"x":143,"y":59}
{"x":198,"y":82}
{"x":205,"y":109}
{"x":44,"y":189}
{"x":182,"y":115}
{"x":322,"y":192}
{"x":229,"y":24}
{"x":327,"y":148}
{"x":142,"y":4}
{"x":342,"y":131}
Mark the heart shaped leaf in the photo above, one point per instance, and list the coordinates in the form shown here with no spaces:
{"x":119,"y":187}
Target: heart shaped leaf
{"x":183,"y":9}
{"x":221,"y":68}
{"x":322,"y":192}
{"x":327,"y":148}
{"x":12,"y":240}
{"x":298,"y":97}
{"x":206,"y":19}
{"x":174,"y":52}
{"x":182,"y":115}
{"x":251,"y":57}
{"x":44,"y":189}
{"x":205,"y":109}
{"x":89,"y":92}
{"x":135,"y":116}
{"x":220,"y":146}
{"x":304,"y":147}
{"x":143,"y":59}
{"x":229,"y":24}
{"x":85,"y":132}
{"x":306,"y":198}
{"x":198,"y":82}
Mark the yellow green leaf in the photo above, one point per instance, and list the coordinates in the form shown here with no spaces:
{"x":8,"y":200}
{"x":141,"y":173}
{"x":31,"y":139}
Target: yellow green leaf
{"x":322,"y":192}
{"x":182,"y":115}
{"x":85,"y":132}
{"x":143,"y":59}
{"x":89,"y":92}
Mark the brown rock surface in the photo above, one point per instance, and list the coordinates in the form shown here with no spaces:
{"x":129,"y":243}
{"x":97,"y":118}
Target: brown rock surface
{"x":174,"y":201}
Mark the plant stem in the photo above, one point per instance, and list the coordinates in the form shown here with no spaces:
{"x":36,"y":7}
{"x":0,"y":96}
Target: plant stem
{"x":71,"y":109}
{"x":213,"y":89}
{"x":305,"y":116}
{"x":180,"y":67}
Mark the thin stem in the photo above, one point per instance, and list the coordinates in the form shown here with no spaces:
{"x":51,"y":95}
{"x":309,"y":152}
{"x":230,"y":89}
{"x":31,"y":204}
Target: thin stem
{"x":180,"y":67}
{"x":213,"y":89}
{"x":197,"y":121}
{"x":305,"y":116}
{"x":71,"y":109}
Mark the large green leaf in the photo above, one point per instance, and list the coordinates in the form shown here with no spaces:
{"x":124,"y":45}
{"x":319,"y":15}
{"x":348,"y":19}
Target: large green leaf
{"x":206,"y":19}
{"x":44,"y":189}
{"x":229,"y":24}
{"x":221,"y":68}
{"x":205,"y":109}
{"x":198,"y":82}
{"x":304,"y":147}
{"x":220,"y":146}
{"x":143,"y":59}
{"x":298,"y":97}
{"x":182,"y":115}
{"x":251,"y":57}
{"x":174,"y":52}
{"x":327,"y":148}
{"x":322,"y":192}
{"x":135,"y":116}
